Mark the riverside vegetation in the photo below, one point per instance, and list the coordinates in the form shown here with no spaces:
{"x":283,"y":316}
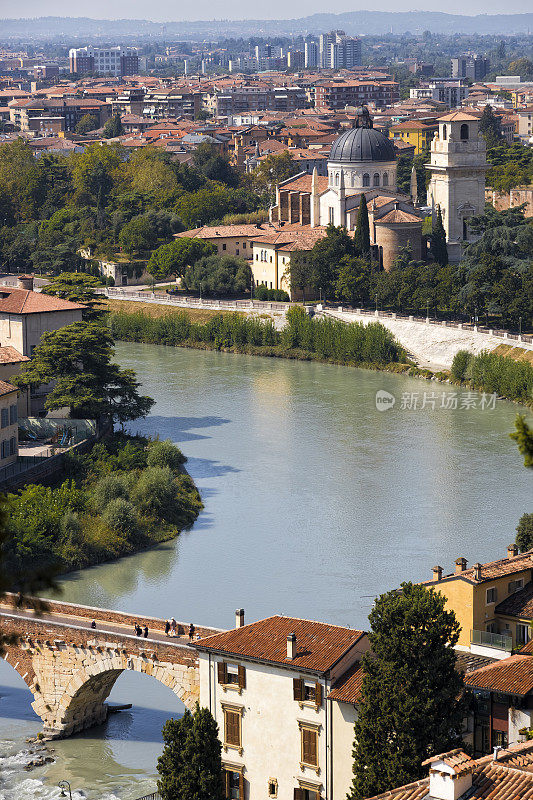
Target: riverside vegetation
{"x":126,"y":494}
{"x":490,"y":372}
{"x":302,"y":338}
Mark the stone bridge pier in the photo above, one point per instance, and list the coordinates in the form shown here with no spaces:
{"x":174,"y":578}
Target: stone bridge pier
{"x":71,"y":668}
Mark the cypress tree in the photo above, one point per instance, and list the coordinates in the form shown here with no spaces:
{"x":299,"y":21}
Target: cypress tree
{"x":362,"y":230}
{"x":438,"y":241}
{"x":410,"y":707}
{"x":190,"y":767}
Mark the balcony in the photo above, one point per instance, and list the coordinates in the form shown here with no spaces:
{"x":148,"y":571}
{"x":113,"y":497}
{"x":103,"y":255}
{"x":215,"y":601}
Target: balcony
{"x":496,"y":641}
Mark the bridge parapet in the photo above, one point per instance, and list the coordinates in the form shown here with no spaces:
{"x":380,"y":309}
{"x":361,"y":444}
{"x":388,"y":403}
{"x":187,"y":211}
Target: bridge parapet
{"x":71,"y":667}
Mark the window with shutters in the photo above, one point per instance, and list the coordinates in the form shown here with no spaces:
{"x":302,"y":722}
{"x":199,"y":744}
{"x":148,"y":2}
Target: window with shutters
{"x":309,"y":745}
{"x":232,"y":727}
{"x":272,"y":787}
{"x":233,"y":781}
{"x":231,"y":676}
{"x":307,"y":791}
{"x":5,"y":417}
{"x":307,"y":692}
{"x":13,"y":415}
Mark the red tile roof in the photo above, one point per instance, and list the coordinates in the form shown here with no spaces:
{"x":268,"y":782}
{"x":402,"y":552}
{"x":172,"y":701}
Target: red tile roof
{"x":7,"y":388}
{"x":24,"y":301}
{"x":510,"y":777}
{"x":8,"y":355}
{"x":513,"y":675}
{"x":348,"y":687}
{"x":493,"y":569}
{"x":458,"y":760}
{"x":397,"y":215}
{"x":318,"y":645}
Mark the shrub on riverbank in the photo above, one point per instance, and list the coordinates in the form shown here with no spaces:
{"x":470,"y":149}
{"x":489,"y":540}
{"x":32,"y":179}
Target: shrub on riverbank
{"x":303,"y":337}
{"x":126,"y":494}
{"x":489,"y":372}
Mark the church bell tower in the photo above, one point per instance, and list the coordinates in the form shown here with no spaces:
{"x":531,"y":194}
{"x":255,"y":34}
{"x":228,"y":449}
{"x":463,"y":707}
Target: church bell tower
{"x":458,"y":165}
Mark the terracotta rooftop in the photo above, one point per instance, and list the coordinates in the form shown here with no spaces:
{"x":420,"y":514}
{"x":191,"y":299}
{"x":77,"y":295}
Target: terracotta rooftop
{"x":519,"y":604}
{"x":302,"y":183}
{"x":458,"y":760}
{"x":24,"y":301}
{"x":397,"y":215}
{"x":7,"y":388}
{"x":318,"y":645}
{"x":513,"y":675}
{"x":492,"y":569}
{"x":510,"y":777}
{"x":8,"y":355}
{"x":458,"y":116}
{"x":348,"y":687}
{"x":246,"y":230}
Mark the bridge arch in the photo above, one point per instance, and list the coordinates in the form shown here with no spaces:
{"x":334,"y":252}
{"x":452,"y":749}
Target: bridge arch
{"x":80,"y":701}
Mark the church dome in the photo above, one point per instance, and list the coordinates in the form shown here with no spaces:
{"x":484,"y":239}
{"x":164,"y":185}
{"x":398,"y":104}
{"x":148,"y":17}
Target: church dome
{"x":362,"y":143}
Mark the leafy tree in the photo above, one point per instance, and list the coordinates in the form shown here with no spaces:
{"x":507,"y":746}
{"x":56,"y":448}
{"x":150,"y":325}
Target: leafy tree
{"x":153,"y":176}
{"x":326,"y":255}
{"x":161,"y":495}
{"x":190,"y":767}
{"x":89,"y":122}
{"x":208,"y":160}
{"x":522,"y":66}
{"x":121,"y":516}
{"x":274,"y":169}
{"x":20,"y":179}
{"x":174,"y":258}
{"x":523,"y":436}
{"x":524,"y":533}
{"x":438,"y":241}
{"x":77,"y":360}
{"x":362,"y":228}
{"x":165,"y":454}
{"x":411,"y":706}
{"x":301,"y":272}
{"x":137,"y":236}
{"x":218,"y":275}
{"x":78,"y":287}
{"x":113,"y":127}
{"x":93,"y":171}
{"x":211,"y":202}
{"x":490,"y":127}
{"x":353,"y":280}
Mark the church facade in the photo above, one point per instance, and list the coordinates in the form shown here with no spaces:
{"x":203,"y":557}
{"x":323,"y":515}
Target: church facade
{"x":362,"y":161}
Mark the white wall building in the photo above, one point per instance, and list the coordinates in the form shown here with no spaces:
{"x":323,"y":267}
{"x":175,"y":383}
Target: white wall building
{"x":282,"y":692}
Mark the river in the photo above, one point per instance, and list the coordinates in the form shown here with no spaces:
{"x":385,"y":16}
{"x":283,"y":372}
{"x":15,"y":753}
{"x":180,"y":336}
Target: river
{"x":315,"y":501}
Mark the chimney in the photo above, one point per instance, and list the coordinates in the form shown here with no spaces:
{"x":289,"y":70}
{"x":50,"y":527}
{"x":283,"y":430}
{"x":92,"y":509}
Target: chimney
{"x":512,"y":550}
{"x":445,"y":783}
{"x":291,"y":645}
{"x":496,"y":752}
{"x":239,"y":617}
{"x":477,"y":571}
{"x":25,"y":282}
{"x":437,"y":573}
{"x":460,"y":565}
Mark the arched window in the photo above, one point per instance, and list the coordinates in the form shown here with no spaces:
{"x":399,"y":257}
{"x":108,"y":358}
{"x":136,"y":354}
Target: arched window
{"x":376,"y":178}
{"x":354,"y":179}
{"x":464,"y":132}
{"x":385,"y":179}
{"x":444,"y":132}
{"x":366,"y":179}
{"x":337,"y":179}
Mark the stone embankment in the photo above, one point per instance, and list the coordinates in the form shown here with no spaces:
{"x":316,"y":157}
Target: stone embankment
{"x":430,"y":343}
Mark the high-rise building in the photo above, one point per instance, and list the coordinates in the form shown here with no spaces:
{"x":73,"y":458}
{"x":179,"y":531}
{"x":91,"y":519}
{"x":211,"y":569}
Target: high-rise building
{"x":295,"y":59}
{"x":106,"y":60}
{"x":470,"y":66}
{"x":311,"y":54}
{"x":338,"y":51}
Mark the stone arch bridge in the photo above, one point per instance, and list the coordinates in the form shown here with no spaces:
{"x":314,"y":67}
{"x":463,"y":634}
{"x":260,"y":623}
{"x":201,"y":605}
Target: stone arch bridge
{"x":70,"y":667}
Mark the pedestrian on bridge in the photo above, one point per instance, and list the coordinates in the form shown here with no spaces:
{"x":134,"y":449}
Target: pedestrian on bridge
{"x":145,"y":632}
{"x":93,"y":624}
{"x":191,"y":632}
{"x":138,"y":630}
{"x":167,"y":627}
{"x":173,"y":625}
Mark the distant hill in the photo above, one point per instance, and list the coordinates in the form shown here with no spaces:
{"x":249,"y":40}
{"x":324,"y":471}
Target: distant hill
{"x":353,"y":22}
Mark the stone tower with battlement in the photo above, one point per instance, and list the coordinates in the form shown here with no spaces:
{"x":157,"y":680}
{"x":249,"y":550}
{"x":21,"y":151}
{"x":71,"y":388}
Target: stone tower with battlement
{"x":458,"y":165}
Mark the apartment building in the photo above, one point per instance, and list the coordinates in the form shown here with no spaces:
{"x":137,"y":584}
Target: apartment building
{"x":159,"y":104}
{"x":450,"y":92}
{"x":116,"y":61}
{"x":470,"y":66}
{"x":414,"y":132}
{"x":256,"y":97}
{"x":271,"y":686}
{"x":483,"y":599}
{"x":51,"y":115}
{"x":338,"y":94}
{"x":338,"y":51}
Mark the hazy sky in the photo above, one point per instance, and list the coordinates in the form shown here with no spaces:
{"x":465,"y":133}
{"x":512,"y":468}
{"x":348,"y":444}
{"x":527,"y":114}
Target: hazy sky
{"x":162,"y":10}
